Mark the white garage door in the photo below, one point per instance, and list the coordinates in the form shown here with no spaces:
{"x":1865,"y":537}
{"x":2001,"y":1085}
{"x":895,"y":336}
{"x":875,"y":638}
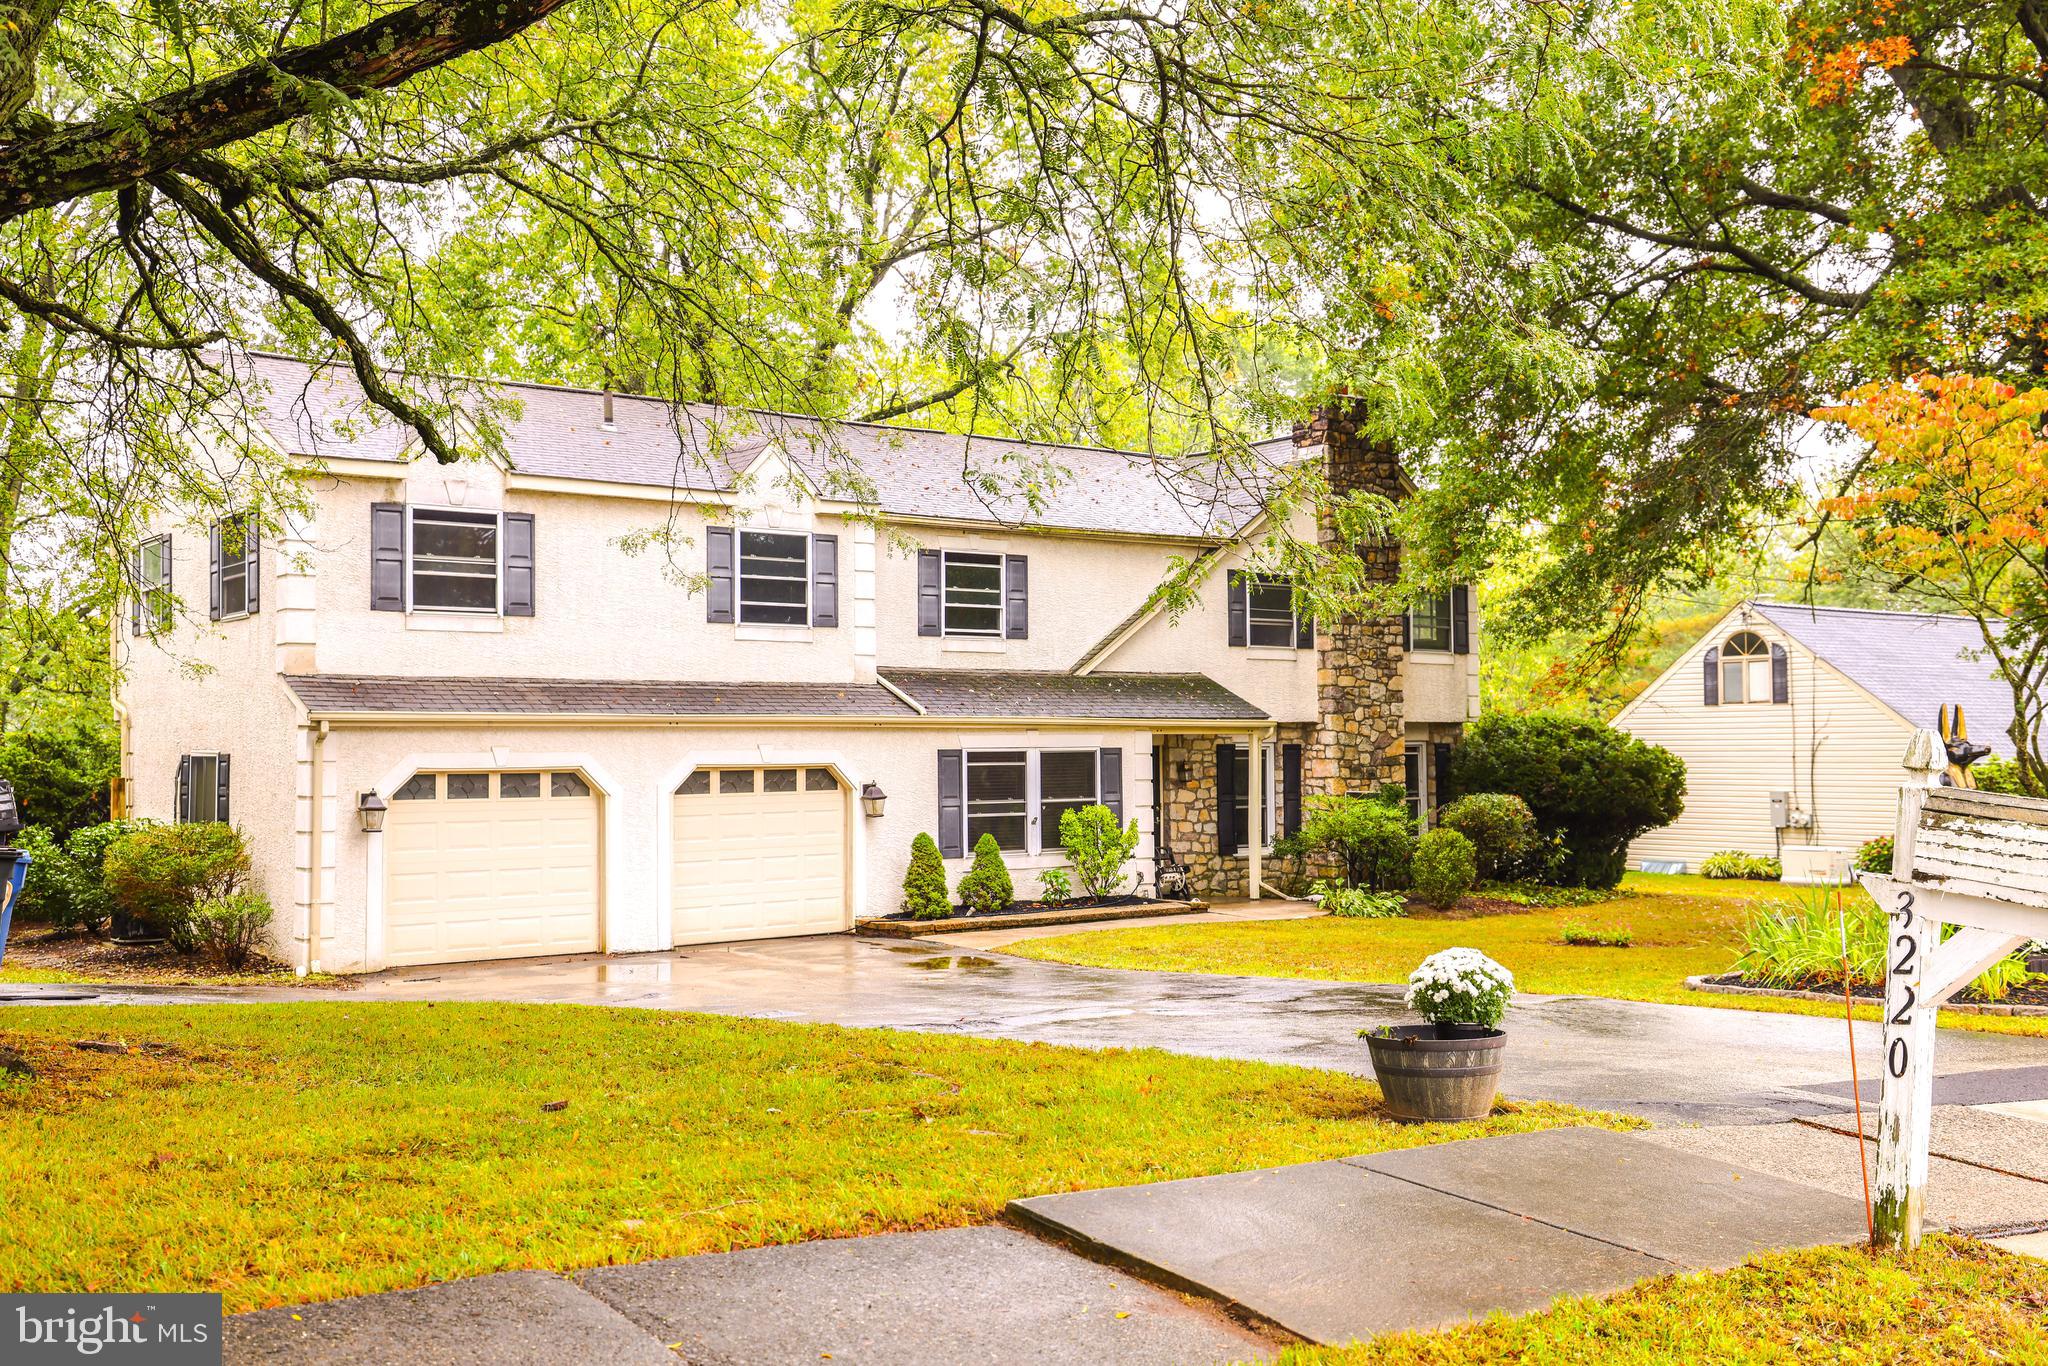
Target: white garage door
{"x":759,"y":852}
{"x":490,"y":865}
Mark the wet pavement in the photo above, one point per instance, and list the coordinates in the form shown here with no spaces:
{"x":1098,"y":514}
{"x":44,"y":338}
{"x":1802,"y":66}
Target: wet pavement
{"x":1672,"y":1064}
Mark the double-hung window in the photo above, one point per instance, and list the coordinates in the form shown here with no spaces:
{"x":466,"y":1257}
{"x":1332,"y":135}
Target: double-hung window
{"x":1066,"y":782}
{"x":1240,"y":793}
{"x":455,"y":560}
{"x":202,"y":788}
{"x":972,"y":594}
{"x":775,"y":578}
{"x":1429,"y":623}
{"x":1269,"y":612}
{"x":235,"y":563}
{"x":1415,"y":777}
{"x":1019,"y":795}
{"x":153,"y":585}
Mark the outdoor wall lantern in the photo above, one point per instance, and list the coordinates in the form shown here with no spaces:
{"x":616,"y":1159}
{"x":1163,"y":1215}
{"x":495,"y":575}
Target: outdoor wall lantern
{"x":871,"y":799}
{"x":370,"y":810}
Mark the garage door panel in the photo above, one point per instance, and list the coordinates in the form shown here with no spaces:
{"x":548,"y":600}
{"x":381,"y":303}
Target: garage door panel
{"x":491,"y":877}
{"x":758,"y":863}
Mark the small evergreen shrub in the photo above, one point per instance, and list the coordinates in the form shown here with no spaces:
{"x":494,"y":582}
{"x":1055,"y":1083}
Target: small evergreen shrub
{"x":1356,"y":903}
{"x":986,"y":887}
{"x":1583,"y":935}
{"x":1055,"y":887}
{"x":1098,"y":848}
{"x":1733,"y":863}
{"x":1875,"y":856}
{"x":1444,"y":868}
{"x":1371,"y":838}
{"x":66,"y":883}
{"x":233,"y":928}
{"x":1499,"y":824}
{"x":924,"y":882}
{"x":160,"y":872}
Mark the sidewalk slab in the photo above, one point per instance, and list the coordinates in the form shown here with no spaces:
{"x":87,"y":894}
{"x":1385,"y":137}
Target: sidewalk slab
{"x":1985,"y":1086}
{"x":1699,"y":1211}
{"x":1332,"y":1251}
{"x":952,"y":1297}
{"x":1969,"y":1133}
{"x":515,"y":1318}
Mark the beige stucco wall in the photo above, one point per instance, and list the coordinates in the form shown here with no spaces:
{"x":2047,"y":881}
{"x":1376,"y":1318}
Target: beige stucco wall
{"x":636,"y":769}
{"x":1831,"y":745}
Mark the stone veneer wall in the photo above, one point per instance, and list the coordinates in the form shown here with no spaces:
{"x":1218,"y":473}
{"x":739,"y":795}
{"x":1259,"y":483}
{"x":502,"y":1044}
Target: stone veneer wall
{"x":1188,"y":809}
{"x":1359,"y":740}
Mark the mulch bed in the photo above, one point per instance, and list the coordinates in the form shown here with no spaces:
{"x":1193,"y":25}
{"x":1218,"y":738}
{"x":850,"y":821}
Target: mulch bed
{"x":2032,"y":994}
{"x":1034,"y":908}
{"x":1471,"y":908}
{"x":89,"y":956}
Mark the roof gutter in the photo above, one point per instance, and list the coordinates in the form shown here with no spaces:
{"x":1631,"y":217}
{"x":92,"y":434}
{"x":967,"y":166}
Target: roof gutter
{"x":924,"y":721}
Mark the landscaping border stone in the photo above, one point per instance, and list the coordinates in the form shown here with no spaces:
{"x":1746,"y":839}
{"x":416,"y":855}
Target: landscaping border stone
{"x":955,"y":924}
{"x":1709,"y":985}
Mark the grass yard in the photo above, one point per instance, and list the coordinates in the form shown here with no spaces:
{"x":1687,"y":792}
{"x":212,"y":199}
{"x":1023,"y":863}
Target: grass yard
{"x":1682,"y":926}
{"x":1952,"y":1301}
{"x":283,"y":1153}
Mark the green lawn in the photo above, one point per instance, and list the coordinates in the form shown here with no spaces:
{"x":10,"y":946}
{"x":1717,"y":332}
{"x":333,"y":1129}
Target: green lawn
{"x":1953,"y":1301}
{"x":1683,"y":926}
{"x":282,"y":1153}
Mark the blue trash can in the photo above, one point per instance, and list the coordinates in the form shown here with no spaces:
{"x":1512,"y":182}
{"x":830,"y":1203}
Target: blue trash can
{"x":11,"y":879}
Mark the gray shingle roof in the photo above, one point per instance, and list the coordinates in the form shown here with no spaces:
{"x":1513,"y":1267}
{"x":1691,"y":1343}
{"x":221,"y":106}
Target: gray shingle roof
{"x":1026,"y":693}
{"x":1910,"y":661}
{"x":699,"y":449}
{"x":326,"y":694}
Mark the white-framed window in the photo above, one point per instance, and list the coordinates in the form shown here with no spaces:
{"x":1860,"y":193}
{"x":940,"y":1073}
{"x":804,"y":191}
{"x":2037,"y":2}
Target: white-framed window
{"x":1269,"y":612}
{"x":775,"y":578}
{"x":1018,"y":795}
{"x":202,"y":789}
{"x":232,"y":532}
{"x":1241,"y":797}
{"x":153,"y":584}
{"x":970,"y":594}
{"x":454,"y":560}
{"x":1745,"y":669}
{"x":1429,"y":623}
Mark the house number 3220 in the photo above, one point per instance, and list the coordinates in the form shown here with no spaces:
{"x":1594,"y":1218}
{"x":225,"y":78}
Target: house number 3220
{"x":1906,"y":957}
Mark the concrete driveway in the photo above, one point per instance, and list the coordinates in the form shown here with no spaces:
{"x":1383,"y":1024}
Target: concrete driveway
{"x":1671,"y":1064}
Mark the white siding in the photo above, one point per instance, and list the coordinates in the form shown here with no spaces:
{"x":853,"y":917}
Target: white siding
{"x":1832,"y":746}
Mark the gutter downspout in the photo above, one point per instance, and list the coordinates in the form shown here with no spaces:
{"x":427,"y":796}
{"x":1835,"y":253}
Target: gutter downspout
{"x":315,"y":853}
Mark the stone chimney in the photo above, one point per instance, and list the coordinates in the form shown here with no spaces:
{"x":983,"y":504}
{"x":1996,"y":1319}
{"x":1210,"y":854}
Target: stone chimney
{"x":1360,"y":729}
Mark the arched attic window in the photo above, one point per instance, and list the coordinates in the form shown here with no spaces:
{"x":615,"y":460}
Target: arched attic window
{"x":1745,"y":668}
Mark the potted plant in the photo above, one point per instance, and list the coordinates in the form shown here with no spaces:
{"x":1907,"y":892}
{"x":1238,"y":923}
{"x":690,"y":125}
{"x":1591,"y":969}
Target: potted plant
{"x":1448,"y":1069}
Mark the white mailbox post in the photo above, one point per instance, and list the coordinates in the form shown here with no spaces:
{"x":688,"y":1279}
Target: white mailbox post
{"x":1974,"y":860}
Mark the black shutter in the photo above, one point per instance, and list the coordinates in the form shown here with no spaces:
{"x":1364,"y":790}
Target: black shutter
{"x":1781,"y":681}
{"x":1712,"y":659}
{"x":518,"y":564}
{"x":135,"y":611}
{"x":824,"y":580}
{"x":1110,"y":772}
{"x":1408,"y":630}
{"x":387,"y":557}
{"x":1290,"y":789}
{"x":1234,"y":581}
{"x":184,"y":803}
{"x":928,"y":569}
{"x":1439,"y":773}
{"x":213,"y":574}
{"x":1226,"y":799}
{"x":220,"y":788}
{"x":1016,"y":597}
{"x":251,"y":550}
{"x":952,"y":803}
{"x":1461,"y":619}
{"x":720,"y":601}
{"x":1304,"y":628}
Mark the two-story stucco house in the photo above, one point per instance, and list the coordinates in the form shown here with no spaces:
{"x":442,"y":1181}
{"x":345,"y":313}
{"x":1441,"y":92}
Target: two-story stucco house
{"x":614,"y":697}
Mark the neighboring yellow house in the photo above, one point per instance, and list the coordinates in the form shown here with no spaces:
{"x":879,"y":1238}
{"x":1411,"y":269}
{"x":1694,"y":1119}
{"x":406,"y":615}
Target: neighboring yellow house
{"x":1792,"y":721}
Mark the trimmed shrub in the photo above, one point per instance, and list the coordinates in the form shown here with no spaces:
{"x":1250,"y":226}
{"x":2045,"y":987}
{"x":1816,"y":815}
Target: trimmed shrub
{"x":1355,"y":903}
{"x":1582,"y":935}
{"x":1733,"y":863}
{"x":986,"y":887}
{"x":1591,"y":786}
{"x":233,"y":928}
{"x":1444,"y":868}
{"x":924,"y":882}
{"x":67,"y":884}
{"x":1371,"y":838}
{"x":159,"y":872}
{"x":60,"y":775}
{"x":1996,"y":775}
{"x":1875,"y":856}
{"x":1055,"y":887}
{"x":1098,"y":848}
{"x":1499,"y":824}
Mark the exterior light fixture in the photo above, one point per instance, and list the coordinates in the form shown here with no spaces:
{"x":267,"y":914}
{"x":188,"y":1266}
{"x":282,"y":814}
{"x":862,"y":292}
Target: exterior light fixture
{"x":370,"y":810}
{"x":871,"y":799}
